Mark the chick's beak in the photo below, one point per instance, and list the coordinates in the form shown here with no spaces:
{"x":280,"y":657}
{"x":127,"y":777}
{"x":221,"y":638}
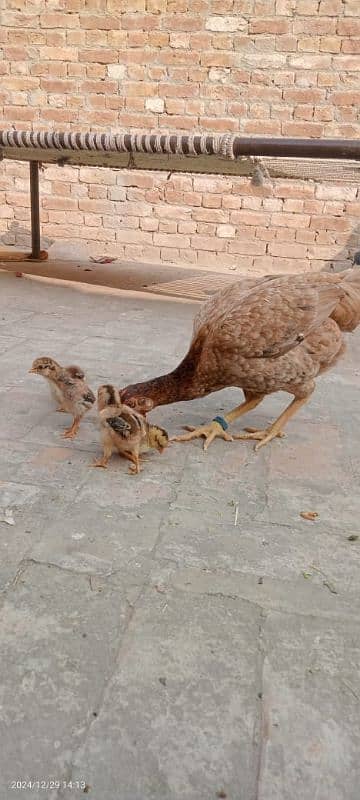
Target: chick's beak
{"x":32,"y":370}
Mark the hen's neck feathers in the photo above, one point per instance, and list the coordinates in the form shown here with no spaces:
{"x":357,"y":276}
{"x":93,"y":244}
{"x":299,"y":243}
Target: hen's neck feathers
{"x":181,"y":384}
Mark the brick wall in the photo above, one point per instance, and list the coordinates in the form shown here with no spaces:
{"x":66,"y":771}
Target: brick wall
{"x":275,"y":67}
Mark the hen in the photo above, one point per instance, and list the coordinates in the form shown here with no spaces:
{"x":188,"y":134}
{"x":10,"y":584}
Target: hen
{"x":68,"y":387}
{"x":264,"y":335}
{"x":125,"y":430}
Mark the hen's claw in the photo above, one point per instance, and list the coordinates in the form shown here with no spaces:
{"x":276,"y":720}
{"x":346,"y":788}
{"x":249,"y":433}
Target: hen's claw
{"x":263,"y":436}
{"x":210,"y":432}
{"x":99,"y":463}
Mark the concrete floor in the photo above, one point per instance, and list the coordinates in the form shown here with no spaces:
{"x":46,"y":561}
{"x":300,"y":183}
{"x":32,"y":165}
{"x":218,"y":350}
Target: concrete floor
{"x":183,"y":635}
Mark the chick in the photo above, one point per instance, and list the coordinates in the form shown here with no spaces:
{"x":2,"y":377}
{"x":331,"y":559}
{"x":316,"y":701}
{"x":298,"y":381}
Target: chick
{"x":126,"y":431}
{"x":68,"y":387}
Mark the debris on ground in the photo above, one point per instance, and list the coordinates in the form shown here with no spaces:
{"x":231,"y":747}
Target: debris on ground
{"x":236,"y":514}
{"x":162,"y":681}
{"x":353,"y":537}
{"x":8,"y":517}
{"x":311,"y":515}
{"x":326,"y":582}
{"x":103,"y":259}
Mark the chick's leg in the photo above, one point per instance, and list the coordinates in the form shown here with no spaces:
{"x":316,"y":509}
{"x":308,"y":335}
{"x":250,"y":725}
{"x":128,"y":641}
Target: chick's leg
{"x":103,"y":462}
{"x":275,"y":429}
{"x":217,"y":429}
{"x":71,"y":432}
{"x":135,"y":466}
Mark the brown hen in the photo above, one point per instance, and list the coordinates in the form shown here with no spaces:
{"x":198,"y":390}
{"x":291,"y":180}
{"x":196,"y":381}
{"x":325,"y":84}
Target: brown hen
{"x":265,"y":335}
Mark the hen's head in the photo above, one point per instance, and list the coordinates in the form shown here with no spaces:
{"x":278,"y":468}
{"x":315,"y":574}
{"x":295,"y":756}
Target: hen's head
{"x":45,"y":366}
{"x":138,"y":402}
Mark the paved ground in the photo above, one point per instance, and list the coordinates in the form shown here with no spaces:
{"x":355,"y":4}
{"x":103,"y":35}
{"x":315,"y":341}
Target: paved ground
{"x":150,"y":646}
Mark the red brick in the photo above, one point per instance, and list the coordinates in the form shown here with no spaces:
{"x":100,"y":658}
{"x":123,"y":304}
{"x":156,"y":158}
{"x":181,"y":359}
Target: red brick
{"x":306,"y":129}
{"x":348,"y":27}
{"x":271,"y":25}
{"x":99,"y":56}
{"x":210,"y":243}
{"x":99,"y":22}
{"x":58,"y":20}
{"x":344,"y":62}
{"x":351,"y":46}
{"x":134,"y":236}
{"x":284,"y":251}
{"x":252,"y":248}
{"x":291,"y":220}
{"x":330,"y":223}
{"x":137,"y":22}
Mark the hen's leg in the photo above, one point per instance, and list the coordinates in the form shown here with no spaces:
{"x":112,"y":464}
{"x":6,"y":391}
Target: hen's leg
{"x":218,"y":427}
{"x":275,"y":429}
{"x":71,"y":432}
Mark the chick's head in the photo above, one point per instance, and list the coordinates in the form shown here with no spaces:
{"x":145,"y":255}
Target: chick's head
{"x":108,"y":395}
{"x":45,"y":366}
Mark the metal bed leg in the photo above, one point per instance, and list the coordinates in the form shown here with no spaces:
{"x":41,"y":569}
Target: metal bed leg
{"x":35,"y":210}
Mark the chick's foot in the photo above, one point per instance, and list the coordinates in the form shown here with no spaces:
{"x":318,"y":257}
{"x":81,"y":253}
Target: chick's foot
{"x":209,"y":432}
{"x":101,"y":462}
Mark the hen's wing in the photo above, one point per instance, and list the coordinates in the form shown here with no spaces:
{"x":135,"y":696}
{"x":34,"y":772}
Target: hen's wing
{"x":225,"y":295}
{"x":270,"y":319}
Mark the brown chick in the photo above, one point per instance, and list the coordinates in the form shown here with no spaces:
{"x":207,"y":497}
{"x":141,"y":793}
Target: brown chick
{"x":68,"y":387}
{"x":125,"y":430}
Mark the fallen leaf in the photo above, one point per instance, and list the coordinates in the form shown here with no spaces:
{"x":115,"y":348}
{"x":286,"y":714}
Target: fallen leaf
{"x":353,"y":537}
{"x":103,"y":259}
{"x":309,"y":514}
{"x":307,"y":575}
{"x":160,"y":589}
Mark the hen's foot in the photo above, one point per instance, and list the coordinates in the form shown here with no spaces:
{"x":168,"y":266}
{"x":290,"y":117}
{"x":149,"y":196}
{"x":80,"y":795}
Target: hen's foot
{"x":263,"y":436}
{"x":210,"y":432}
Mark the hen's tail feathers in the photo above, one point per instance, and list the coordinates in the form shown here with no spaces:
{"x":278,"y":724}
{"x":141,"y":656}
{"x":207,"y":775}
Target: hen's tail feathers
{"x":158,"y":438}
{"x":347,"y":311}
